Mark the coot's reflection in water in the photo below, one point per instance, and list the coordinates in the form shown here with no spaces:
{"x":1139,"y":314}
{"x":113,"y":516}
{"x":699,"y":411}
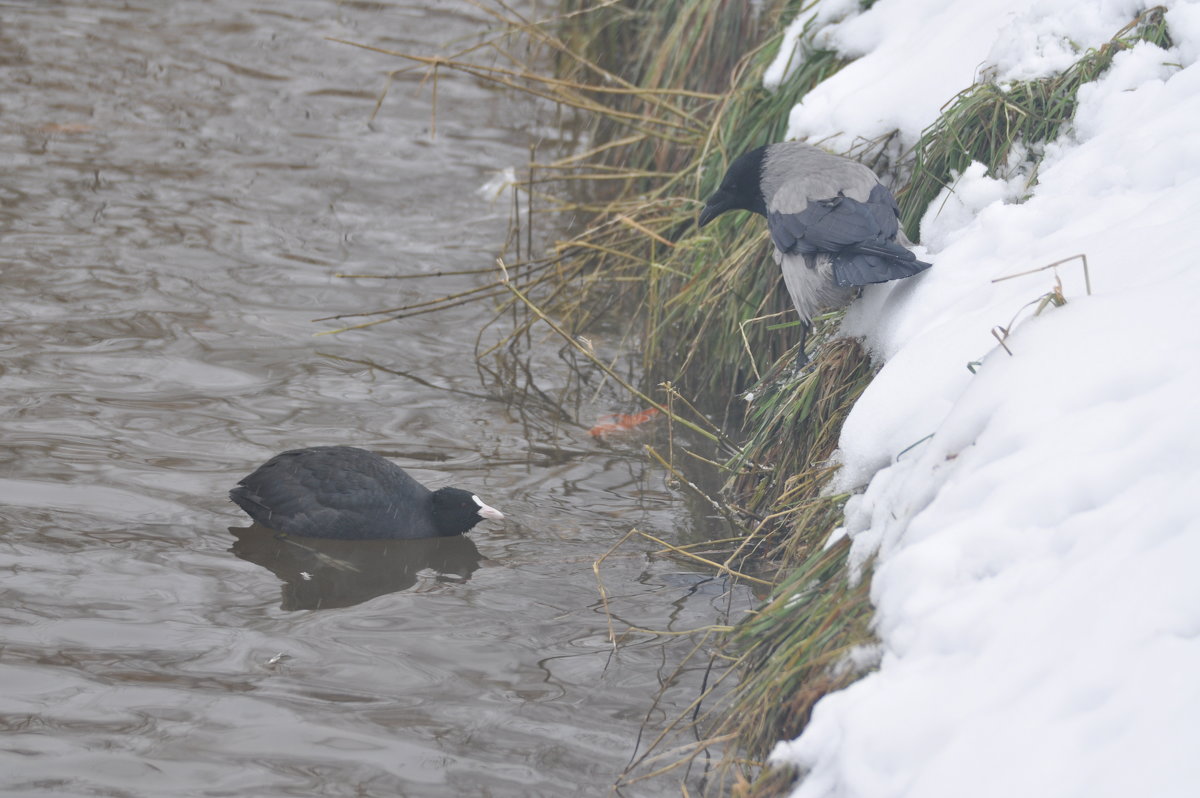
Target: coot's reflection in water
{"x":319,"y":573}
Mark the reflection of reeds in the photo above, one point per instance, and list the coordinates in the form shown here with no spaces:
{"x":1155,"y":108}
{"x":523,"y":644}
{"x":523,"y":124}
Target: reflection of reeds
{"x":667,"y":93}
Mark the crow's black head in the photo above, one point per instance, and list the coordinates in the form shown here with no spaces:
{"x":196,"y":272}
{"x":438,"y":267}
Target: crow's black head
{"x":740,"y":189}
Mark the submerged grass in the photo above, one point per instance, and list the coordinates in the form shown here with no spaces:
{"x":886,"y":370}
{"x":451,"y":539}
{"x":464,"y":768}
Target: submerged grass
{"x":664,"y":95}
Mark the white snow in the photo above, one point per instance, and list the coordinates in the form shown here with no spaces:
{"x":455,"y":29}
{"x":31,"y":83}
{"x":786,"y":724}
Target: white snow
{"x":1035,"y":586}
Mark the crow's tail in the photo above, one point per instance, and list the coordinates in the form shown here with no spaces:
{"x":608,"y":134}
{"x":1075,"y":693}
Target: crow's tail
{"x":875,"y":263}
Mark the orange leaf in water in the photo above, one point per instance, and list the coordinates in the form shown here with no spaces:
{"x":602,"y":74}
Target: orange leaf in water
{"x":621,"y":422}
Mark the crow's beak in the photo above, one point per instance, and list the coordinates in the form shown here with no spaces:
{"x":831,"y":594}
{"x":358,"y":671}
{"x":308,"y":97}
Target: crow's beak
{"x":714,"y":206}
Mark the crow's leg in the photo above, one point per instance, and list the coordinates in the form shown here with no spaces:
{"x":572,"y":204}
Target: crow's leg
{"x":801,"y":355}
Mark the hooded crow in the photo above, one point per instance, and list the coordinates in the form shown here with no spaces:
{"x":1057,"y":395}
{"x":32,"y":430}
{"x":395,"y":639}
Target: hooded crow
{"x":834,"y":225}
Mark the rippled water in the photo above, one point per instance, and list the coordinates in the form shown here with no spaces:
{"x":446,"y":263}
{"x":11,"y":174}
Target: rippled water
{"x":181,"y":181}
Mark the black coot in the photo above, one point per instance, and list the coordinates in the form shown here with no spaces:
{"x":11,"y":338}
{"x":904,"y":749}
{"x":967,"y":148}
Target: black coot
{"x":348,"y":493}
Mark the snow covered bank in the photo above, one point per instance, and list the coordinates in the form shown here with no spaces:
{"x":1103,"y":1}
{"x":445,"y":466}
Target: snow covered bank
{"x":1039,"y":620}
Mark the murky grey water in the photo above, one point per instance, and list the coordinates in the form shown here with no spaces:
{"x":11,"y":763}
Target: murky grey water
{"x":180,"y":182}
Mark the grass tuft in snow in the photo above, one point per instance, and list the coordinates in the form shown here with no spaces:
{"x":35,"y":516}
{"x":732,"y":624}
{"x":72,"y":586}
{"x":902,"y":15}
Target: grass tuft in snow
{"x":790,"y":649}
{"x":1002,"y":126}
{"x":794,"y":424}
{"x":796,"y":649}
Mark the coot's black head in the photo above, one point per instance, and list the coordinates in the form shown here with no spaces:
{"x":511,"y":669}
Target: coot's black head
{"x":740,"y":189}
{"x":455,"y":511}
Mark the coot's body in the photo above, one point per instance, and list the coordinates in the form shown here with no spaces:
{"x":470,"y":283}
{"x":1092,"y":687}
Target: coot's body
{"x":348,"y":493}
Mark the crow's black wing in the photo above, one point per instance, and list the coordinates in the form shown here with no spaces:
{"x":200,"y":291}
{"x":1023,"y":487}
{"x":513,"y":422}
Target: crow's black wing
{"x":860,"y":237}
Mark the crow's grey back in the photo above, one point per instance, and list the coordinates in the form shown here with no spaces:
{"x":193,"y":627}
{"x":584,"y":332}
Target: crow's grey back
{"x":795,"y":174}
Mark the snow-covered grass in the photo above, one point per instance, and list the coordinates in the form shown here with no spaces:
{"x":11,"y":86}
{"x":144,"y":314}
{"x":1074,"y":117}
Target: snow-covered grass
{"x":1038,"y":616}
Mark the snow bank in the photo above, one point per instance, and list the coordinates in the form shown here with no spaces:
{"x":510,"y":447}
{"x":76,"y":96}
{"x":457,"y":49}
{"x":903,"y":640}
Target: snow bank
{"x":1035,"y":598}
{"x":914,"y":55}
